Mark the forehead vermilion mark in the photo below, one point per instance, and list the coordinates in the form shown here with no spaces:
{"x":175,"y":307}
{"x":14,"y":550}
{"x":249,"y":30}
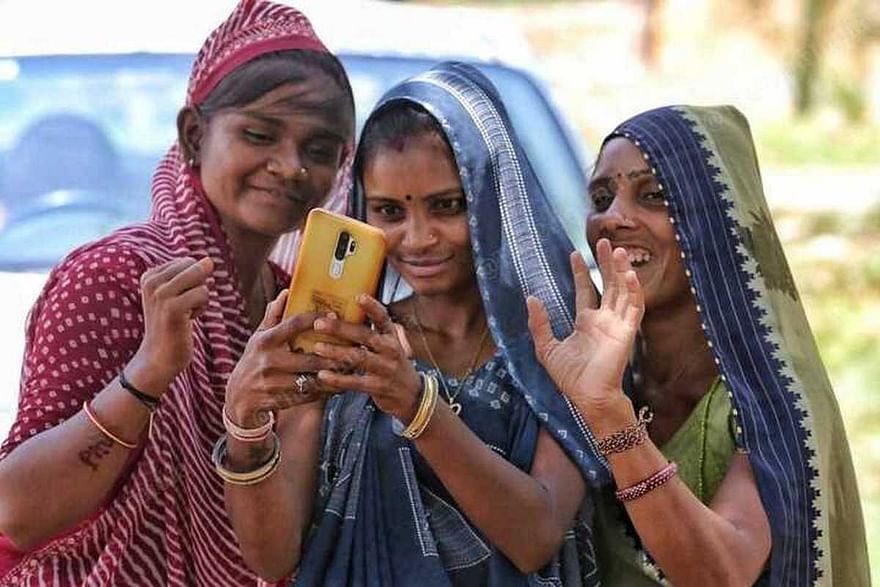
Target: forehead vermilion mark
{"x":397,"y":143}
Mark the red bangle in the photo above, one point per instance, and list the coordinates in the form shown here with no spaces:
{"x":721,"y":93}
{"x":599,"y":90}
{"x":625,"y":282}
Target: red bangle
{"x":627,"y":438}
{"x":650,"y":484}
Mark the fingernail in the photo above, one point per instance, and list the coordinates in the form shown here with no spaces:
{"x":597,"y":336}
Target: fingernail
{"x":320,"y":324}
{"x":332,"y":315}
{"x":320,"y":348}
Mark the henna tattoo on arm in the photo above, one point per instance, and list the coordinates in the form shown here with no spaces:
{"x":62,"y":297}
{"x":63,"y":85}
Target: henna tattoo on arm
{"x":95,"y":452}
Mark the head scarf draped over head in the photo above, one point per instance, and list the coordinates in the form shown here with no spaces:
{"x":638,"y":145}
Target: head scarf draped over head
{"x":254,"y":29}
{"x":520,"y":248}
{"x":166,"y":523}
{"x":705,"y":162}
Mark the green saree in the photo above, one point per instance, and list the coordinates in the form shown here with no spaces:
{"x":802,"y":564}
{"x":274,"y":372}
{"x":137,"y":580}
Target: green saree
{"x":702,"y":448}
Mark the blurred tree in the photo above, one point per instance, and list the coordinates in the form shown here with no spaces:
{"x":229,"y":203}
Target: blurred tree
{"x":830,"y":43}
{"x":652,"y":29}
{"x":809,"y":54}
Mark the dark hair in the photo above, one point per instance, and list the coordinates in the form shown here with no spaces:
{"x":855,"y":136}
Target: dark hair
{"x":391,"y":126}
{"x":265,"y":73}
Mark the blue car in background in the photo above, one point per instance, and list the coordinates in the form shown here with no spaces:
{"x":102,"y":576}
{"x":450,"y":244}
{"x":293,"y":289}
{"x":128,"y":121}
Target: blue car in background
{"x":82,"y":131}
{"x":81,"y":135}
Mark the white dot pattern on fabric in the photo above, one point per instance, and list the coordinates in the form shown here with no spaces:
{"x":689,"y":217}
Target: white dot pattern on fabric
{"x":78,"y":328}
{"x":166,"y":525}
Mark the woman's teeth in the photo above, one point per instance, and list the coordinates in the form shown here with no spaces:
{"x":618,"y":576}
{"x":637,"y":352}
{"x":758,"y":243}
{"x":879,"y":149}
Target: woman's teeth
{"x":638,"y":258}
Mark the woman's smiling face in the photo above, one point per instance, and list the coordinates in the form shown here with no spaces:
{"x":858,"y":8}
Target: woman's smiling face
{"x":414,"y":194}
{"x":250,"y":157}
{"x":628,"y":207}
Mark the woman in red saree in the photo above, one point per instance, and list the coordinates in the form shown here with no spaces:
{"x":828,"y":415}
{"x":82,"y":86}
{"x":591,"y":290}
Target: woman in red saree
{"x":106,"y":478}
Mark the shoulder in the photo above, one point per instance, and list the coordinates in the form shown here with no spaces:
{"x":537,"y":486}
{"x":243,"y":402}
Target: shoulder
{"x":119,"y":258}
{"x":97,"y":286}
{"x":96,"y":268}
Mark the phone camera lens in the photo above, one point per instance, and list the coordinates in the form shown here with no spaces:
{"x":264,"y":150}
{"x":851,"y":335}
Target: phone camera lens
{"x":352,"y":247}
{"x":342,"y":246}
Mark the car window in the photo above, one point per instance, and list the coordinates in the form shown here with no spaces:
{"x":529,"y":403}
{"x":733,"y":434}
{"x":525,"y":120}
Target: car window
{"x":80,"y":137}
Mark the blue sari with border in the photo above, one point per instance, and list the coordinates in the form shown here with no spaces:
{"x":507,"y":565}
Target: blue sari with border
{"x":373,"y":523}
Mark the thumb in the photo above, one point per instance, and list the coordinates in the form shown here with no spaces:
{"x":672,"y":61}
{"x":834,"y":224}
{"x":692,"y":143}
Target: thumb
{"x":274,"y":311}
{"x":539,"y":327}
{"x":207,"y":264}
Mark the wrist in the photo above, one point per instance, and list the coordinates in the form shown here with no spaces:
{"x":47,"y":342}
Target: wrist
{"x":609,"y":416}
{"x":146,"y":377}
{"x":243,"y":412}
{"x":244,"y":456}
{"x":408,"y":411}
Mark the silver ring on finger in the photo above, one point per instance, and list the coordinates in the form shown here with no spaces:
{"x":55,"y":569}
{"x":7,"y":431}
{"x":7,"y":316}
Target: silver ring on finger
{"x":299,"y":384}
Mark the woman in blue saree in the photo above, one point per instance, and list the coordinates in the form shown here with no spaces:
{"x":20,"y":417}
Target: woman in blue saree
{"x":486,"y":485}
{"x":744,"y":473}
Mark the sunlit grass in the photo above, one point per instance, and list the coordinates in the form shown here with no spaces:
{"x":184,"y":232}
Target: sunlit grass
{"x":818,"y":141}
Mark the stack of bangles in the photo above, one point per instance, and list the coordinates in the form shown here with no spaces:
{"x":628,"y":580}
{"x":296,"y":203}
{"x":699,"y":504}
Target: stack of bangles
{"x":259,"y":473}
{"x":425,"y":411}
{"x":627,"y":439}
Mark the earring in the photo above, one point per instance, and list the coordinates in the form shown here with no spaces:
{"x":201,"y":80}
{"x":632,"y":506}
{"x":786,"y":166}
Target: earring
{"x":191,"y":161}
{"x":302,"y":172}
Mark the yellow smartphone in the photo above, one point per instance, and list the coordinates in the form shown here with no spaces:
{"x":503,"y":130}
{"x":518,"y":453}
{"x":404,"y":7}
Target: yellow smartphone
{"x":339,"y":259}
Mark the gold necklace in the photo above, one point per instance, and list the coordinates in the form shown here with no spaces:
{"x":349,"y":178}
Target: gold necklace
{"x":450,"y":397}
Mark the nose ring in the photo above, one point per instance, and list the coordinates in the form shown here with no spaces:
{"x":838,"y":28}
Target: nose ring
{"x":301,"y":173}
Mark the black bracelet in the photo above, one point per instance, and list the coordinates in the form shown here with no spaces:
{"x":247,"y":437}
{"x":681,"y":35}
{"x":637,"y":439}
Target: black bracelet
{"x":151,"y":402}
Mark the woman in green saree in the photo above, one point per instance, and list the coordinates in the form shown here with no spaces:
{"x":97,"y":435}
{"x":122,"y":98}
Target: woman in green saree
{"x":742,"y":473}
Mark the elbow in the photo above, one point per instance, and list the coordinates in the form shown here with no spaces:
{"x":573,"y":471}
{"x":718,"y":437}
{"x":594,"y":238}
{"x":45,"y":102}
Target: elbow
{"x":271,"y":569}
{"x":14,"y":523}
{"x":21,"y":529}
{"x":16,"y":529}
{"x":272,"y":564}
{"x":537,"y":552}
{"x":724,"y":573}
{"x":529,"y":565}
{"x":728,"y":577}
{"x":532,"y":562}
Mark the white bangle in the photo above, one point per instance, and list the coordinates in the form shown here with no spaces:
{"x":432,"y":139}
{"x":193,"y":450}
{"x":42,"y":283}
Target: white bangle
{"x":257,"y":434}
